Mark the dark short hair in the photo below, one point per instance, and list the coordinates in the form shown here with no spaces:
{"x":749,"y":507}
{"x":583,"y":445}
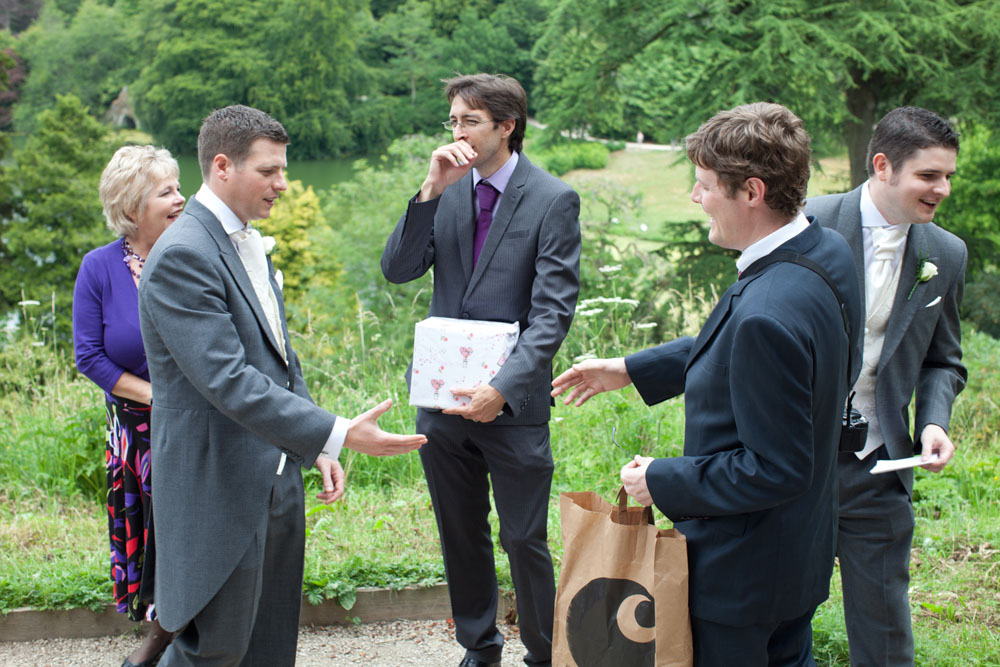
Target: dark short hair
{"x":231,"y":131}
{"x":906,"y":130}
{"x":764,"y":140}
{"x":502,"y":96}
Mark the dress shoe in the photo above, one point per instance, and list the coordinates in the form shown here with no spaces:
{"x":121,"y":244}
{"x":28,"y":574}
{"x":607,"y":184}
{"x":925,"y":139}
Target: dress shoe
{"x":472,"y":662}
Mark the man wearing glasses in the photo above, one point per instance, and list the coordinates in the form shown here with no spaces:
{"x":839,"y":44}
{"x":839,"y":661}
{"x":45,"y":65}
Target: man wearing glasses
{"x":503,"y":237}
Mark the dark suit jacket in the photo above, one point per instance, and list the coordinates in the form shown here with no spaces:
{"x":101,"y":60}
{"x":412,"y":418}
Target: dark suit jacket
{"x":923,"y":338}
{"x":765,"y":384}
{"x":225,"y":405}
{"x":528,"y":272}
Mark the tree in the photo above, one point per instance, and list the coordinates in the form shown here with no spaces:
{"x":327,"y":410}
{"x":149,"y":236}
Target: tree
{"x":295,"y":59}
{"x":89,"y":55}
{"x":55,"y":214}
{"x":973,"y":209}
{"x":669,"y":66}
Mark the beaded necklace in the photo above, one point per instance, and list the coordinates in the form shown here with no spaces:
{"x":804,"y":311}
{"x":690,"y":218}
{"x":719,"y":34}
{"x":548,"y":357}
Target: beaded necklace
{"x":130,"y":255}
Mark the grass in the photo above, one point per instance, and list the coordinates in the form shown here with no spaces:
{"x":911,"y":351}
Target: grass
{"x":354,"y":346}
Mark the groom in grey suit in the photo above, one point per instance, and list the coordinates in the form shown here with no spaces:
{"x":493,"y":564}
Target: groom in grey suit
{"x":912,"y":343}
{"x":232,"y":422}
{"x":503,"y":237}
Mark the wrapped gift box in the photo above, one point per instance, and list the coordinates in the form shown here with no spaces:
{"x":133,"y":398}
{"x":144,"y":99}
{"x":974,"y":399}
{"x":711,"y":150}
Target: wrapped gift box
{"x":456,"y":353}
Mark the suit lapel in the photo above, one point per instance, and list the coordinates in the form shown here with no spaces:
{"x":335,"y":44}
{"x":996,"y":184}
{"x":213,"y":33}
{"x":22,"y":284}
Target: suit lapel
{"x":800,"y":244}
{"x":505,"y":212}
{"x":234,"y":264}
{"x":903,"y":309}
{"x":849,"y":226}
{"x":464,"y":215}
{"x":715,"y":320}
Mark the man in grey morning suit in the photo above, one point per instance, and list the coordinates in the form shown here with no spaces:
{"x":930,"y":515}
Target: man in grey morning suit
{"x":522,"y":267}
{"x":229,"y":407}
{"x":912,"y":342}
{"x":764,"y":387}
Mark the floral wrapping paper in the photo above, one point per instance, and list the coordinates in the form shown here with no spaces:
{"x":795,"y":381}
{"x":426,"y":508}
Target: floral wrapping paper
{"x":456,"y":353}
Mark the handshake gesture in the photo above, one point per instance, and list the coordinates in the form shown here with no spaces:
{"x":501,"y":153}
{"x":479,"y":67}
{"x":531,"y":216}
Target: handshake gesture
{"x":366,"y":436}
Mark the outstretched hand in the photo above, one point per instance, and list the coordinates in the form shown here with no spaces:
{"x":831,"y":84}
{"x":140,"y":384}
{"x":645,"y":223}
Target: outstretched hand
{"x":364,"y":435}
{"x":591,"y":377}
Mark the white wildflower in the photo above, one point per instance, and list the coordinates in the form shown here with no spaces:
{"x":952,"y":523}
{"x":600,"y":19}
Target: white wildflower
{"x":645,"y":325}
{"x":610,"y":268}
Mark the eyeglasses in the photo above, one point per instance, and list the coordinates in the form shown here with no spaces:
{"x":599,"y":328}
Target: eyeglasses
{"x":615,"y":443}
{"x":468,"y":124}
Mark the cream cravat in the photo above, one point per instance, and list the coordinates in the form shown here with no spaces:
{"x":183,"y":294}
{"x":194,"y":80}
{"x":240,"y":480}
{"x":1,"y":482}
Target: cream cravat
{"x":886,"y":242}
{"x":251,"y":249}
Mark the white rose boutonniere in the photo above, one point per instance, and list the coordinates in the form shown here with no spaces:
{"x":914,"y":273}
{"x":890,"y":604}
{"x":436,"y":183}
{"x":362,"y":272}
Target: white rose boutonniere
{"x":268,"y":242}
{"x":925,"y":271}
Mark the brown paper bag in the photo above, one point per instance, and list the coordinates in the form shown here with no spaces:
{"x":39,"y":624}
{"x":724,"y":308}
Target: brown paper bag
{"x":622,"y":599}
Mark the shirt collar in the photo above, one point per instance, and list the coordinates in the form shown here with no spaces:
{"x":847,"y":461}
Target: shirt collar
{"x":501,"y":178}
{"x":230,"y":223}
{"x":871,"y":216}
{"x":772,"y":242}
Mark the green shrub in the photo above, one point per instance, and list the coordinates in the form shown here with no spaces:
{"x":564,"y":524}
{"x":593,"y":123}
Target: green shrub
{"x":981,"y":303}
{"x":560,"y":158}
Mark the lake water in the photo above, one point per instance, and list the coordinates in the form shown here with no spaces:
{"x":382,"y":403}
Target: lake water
{"x":320,"y":174}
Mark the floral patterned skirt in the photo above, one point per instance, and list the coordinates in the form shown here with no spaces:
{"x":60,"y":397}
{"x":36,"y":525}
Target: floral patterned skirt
{"x":130,"y":514}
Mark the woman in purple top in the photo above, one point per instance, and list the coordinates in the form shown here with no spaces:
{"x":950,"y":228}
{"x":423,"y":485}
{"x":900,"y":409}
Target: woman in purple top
{"x":141,"y":197}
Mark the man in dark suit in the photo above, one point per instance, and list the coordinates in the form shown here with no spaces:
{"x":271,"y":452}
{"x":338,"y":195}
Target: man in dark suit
{"x":912,"y":273}
{"x":765,"y":384}
{"x":503,"y":237}
{"x":229,"y":407}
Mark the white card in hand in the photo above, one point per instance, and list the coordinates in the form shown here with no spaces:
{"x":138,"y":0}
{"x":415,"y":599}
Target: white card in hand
{"x":901,"y":464}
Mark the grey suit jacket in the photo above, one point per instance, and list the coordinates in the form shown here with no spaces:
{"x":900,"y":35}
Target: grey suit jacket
{"x":528,"y":272}
{"x":922,"y":351}
{"x":225,"y":406}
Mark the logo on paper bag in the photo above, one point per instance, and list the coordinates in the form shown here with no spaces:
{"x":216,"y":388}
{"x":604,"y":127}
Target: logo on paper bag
{"x":611,"y":623}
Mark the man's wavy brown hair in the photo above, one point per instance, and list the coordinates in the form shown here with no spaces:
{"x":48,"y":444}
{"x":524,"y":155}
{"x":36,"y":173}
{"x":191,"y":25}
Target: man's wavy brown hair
{"x":762,"y":139}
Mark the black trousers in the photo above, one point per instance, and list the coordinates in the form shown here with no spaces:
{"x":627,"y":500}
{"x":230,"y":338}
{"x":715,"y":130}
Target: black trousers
{"x":460,"y":460}
{"x":776,"y":644}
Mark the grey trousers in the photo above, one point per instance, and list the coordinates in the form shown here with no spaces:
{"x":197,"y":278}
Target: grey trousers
{"x":873,"y":546}
{"x":254,"y":618}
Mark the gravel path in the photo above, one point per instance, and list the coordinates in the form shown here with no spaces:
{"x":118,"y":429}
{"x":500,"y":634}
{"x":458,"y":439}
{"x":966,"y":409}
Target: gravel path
{"x":387,"y":644}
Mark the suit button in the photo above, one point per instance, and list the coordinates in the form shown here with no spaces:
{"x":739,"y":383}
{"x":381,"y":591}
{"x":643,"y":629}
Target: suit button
{"x":465,"y":316}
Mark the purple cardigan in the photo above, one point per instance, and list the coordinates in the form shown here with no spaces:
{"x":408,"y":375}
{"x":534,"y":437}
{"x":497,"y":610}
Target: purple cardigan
{"x":106,"y":336}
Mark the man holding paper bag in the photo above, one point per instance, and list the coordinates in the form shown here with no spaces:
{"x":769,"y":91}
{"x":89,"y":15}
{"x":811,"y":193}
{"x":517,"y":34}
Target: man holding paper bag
{"x":503,"y":237}
{"x":765,"y":384}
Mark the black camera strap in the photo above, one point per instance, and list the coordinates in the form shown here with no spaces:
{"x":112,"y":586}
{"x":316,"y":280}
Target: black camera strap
{"x":803,"y":261}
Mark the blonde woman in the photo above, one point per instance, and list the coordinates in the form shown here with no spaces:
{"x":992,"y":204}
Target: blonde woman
{"x":141,"y":197}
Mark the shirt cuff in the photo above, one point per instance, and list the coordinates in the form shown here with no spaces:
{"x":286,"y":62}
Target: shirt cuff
{"x":335,"y":442}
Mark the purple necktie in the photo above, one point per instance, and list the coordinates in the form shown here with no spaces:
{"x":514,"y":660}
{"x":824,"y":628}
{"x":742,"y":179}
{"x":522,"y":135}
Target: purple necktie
{"x":487,"y":195}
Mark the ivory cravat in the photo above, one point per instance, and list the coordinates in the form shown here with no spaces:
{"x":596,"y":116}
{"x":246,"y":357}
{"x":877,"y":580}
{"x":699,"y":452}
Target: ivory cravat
{"x":881,"y":283}
{"x":886,"y":242}
{"x":487,"y":196}
{"x":251,"y":249}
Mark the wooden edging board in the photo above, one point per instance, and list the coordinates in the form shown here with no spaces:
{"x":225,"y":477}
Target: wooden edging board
{"x":373,"y":604}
